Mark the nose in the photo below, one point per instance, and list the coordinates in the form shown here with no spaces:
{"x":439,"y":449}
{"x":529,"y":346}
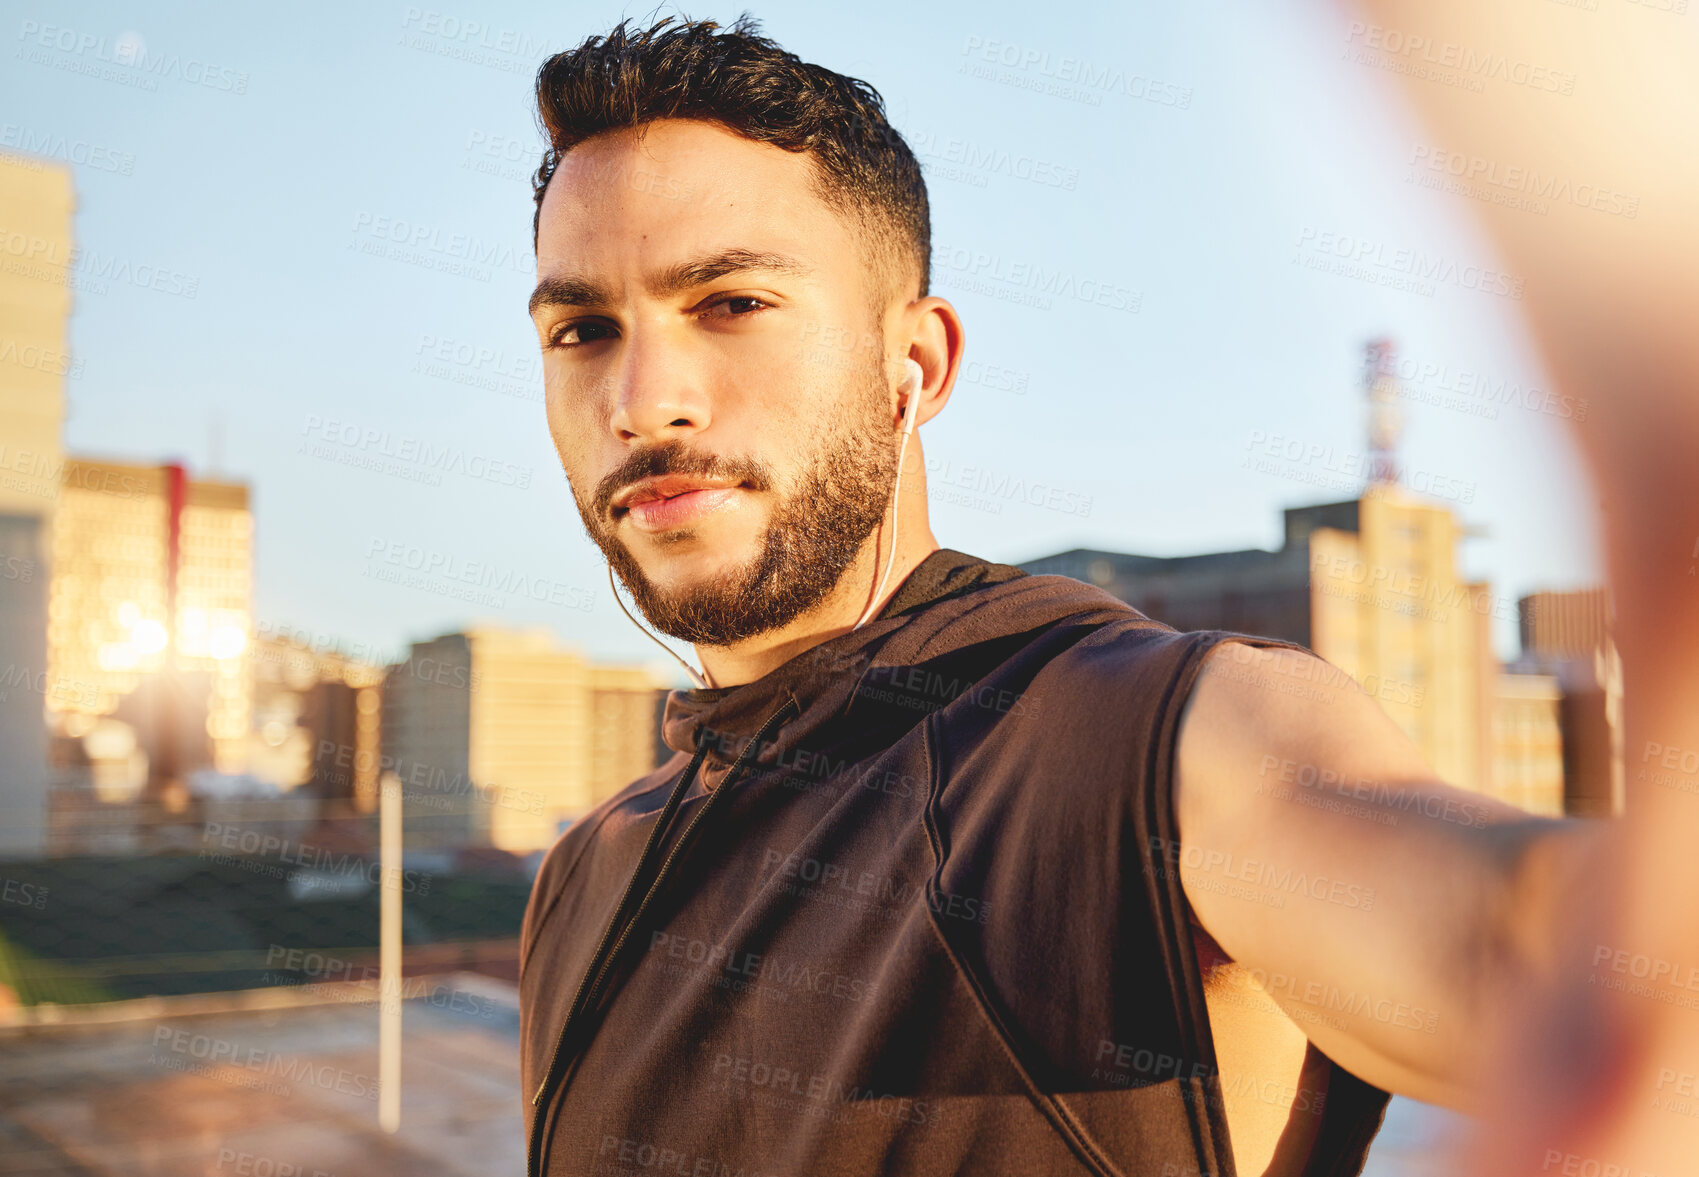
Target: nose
{"x":658,"y":397}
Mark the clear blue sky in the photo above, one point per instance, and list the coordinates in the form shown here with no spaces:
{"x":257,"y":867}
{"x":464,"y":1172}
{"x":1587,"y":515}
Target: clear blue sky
{"x":1202,"y":208}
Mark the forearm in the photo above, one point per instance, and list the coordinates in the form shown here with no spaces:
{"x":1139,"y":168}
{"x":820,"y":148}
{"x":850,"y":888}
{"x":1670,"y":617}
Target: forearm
{"x":1553,"y":879}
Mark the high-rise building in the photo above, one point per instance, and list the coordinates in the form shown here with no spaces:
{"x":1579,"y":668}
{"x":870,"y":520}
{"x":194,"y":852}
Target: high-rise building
{"x":316,"y":722}
{"x":23,"y":685}
{"x":1370,"y":584}
{"x":1567,"y":635}
{"x":501,"y":738}
{"x":37,"y":199}
{"x":151,"y":595}
{"x":1564,"y":625}
{"x":1527,"y":734}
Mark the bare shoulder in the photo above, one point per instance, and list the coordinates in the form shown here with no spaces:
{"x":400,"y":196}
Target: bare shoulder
{"x":1259,"y":712}
{"x":1320,"y":851}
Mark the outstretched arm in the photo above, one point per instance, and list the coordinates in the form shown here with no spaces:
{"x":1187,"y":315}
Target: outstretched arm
{"x":1389,"y":913}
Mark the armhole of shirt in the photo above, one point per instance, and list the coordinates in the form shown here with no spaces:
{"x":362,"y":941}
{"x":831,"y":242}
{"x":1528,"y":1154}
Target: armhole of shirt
{"x":1355,"y":1108}
{"x":1169,"y":906}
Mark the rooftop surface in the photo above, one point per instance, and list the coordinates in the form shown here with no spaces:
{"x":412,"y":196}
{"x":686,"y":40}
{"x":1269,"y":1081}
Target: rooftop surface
{"x":275,"y":1084}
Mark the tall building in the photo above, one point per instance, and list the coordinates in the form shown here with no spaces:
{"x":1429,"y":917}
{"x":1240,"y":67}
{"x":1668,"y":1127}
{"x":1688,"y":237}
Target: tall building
{"x":37,"y":200}
{"x":1370,"y":584}
{"x":501,"y":738}
{"x":151,"y":599}
{"x":316,"y":717}
{"x":1527,"y":745}
{"x":1567,"y":635}
{"x":23,"y":679}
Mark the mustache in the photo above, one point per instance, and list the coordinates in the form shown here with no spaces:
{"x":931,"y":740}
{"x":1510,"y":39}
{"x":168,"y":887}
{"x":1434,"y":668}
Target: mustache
{"x":674,"y":457}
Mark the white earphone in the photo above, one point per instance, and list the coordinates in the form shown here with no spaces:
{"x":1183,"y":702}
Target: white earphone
{"x":916,"y":377}
{"x":911,"y":414}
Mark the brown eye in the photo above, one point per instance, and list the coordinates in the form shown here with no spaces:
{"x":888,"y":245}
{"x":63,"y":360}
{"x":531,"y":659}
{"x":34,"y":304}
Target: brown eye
{"x":561,"y":336}
{"x":748,"y":302}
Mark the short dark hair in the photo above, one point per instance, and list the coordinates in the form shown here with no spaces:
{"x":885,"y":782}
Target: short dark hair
{"x":749,"y":85}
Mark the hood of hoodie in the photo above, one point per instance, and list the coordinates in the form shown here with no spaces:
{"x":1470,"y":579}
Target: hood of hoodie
{"x":953,"y":619}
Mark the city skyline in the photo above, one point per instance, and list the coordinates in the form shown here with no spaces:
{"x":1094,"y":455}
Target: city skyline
{"x":277,"y":321}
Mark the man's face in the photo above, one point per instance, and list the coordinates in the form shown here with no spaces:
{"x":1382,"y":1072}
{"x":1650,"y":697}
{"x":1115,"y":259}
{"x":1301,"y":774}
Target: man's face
{"x":703,"y":314}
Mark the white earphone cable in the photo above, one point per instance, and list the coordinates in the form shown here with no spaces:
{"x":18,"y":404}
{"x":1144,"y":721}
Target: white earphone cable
{"x":695,"y":677}
{"x":902,"y":451}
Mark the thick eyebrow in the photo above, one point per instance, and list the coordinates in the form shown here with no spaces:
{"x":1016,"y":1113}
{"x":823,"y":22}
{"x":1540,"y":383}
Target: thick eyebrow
{"x":570,"y":290}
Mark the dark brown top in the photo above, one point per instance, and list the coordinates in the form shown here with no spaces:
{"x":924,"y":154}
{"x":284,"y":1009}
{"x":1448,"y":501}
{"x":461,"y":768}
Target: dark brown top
{"x":894,"y":908}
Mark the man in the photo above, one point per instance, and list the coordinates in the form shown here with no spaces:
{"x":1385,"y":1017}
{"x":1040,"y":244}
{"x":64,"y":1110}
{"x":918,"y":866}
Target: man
{"x":1009,"y":878}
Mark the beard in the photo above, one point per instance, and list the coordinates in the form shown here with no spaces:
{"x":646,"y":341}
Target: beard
{"x":815,"y":533}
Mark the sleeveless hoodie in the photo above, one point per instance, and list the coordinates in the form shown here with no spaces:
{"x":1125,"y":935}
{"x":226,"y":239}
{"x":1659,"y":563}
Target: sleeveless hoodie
{"x":898,"y":906}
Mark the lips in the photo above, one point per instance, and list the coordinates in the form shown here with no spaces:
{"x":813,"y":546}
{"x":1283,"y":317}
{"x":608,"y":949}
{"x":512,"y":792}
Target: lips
{"x":666,"y":486}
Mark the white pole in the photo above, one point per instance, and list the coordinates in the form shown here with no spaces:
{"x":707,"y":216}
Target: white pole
{"x":389,"y":960}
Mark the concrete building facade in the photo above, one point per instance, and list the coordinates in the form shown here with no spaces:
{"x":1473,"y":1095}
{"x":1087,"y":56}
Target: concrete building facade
{"x":37,"y":202}
{"x":501,"y":738}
